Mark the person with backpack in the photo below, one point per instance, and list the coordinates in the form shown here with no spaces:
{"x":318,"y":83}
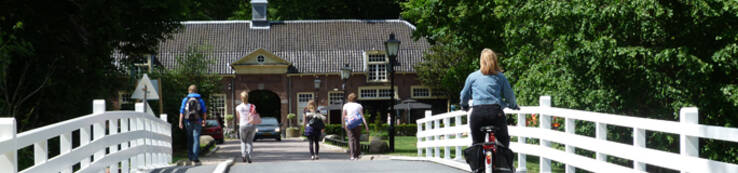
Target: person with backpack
{"x":353,"y":117}
{"x":314,"y":127}
{"x":491,"y":92}
{"x":192,"y":116}
{"x":247,"y":121}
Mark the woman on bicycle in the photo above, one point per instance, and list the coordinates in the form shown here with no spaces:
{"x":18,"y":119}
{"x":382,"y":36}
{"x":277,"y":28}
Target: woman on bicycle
{"x":487,"y":87}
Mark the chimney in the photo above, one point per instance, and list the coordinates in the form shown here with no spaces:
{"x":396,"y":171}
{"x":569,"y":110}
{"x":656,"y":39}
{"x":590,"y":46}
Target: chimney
{"x":259,"y":14}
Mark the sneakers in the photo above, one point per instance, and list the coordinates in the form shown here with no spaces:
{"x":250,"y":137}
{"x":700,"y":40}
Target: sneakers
{"x":317,"y":157}
{"x":248,"y":159}
{"x":312,"y":157}
{"x":243,"y":159}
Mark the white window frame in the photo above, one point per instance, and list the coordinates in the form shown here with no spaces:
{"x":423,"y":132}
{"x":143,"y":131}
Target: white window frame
{"x":430,"y":93}
{"x":368,"y":64}
{"x":331,"y":99}
{"x":377,"y":90}
{"x":218,"y":108}
{"x":124,"y":97}
{"x":302,"y":104}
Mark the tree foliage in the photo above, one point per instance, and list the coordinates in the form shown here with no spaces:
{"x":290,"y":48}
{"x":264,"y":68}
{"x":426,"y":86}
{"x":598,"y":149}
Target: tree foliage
{"x":55,"y":56}
{"x":192,"y":68}
{"x":645,"y":58}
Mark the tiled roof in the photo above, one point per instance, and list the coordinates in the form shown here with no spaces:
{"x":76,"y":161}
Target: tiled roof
{"x":320,"y":46}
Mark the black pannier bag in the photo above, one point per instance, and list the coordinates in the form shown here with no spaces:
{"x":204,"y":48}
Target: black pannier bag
{"x":503,"y":159}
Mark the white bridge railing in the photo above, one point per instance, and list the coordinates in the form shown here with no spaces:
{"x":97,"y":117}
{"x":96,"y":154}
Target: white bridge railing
{"x":448,"y":132}
{"x":115,"y":140}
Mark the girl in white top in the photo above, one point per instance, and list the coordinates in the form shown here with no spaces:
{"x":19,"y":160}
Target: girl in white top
{"x":248,"y":119}
{"x":350,"y":109}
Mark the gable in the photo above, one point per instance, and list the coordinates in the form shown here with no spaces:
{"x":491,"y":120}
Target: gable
{"x":260,"y":61}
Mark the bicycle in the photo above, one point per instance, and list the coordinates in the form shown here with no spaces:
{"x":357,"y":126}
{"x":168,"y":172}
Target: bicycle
{"x":489,"y":147}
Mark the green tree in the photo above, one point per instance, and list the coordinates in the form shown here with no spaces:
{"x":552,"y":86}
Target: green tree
{"x":640,"y":57}
{"x":56,"y":55}
{"x":192,"y":68}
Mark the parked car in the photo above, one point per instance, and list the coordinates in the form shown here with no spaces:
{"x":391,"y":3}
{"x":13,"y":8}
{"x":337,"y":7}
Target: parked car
{"x":269,"y":128}
{"x":214,"y":129}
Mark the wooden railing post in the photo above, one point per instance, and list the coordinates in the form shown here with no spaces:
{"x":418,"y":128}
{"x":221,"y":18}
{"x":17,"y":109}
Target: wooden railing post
{"x":601,"y":134}
{"x":689,"y":145}
{"x":522,"y":162}
{"x":98,"y":128}
{"x":457,"y":120}
{"x":124,"y":165}
{"x":419,"y":126}
{"x":545,"y":124}
{"x":446,"y":151}
{"x":8,"y":160}
{"x":428,"y":152}
{"x":113,"y":129}
{"x":136,"y":123}
{"x":65,"y":146}
{"x":570,"y":128}
{"x":639,"y":140}
{"x":163,"y":130}
{"x":436,"y":139}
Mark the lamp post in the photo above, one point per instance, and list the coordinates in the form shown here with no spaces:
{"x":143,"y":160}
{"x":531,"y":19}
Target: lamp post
{"x":345,"y":75}
{"x":317,"y":87}
{"x":392,"y":46}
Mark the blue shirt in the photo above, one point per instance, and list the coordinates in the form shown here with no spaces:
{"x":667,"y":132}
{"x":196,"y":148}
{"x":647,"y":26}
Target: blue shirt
{"x":487,"y":90}
{"x":184,"y":102}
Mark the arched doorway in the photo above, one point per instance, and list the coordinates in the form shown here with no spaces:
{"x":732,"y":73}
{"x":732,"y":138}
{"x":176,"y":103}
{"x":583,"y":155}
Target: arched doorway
{"x":266,"y":102}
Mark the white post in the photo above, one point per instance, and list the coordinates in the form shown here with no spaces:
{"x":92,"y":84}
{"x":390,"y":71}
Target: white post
{"x":570,"y":128}
{"x":98,"y":128}
{"x":446,"y":151}
{"x":84,"y":139}
{"x":601,"y":134}
{"x":113,"y":129}
{"x":125,"y":168}
{"x":545,"y":124}
{"x":689,"y":145}
{"x":458,"y":157}
{"x":136,"y":123}
{"x":522,"y":162}
{"x":9,"y":160}
{"x":148,"y":142}
{"x":65,"y":146}
{"x":420,"y":138}
{"x":639,"y":140}
{"x":428,"y":153}
{"x":162,"y":129}
{"x":437,"y":138}
{"x":40,"y":152}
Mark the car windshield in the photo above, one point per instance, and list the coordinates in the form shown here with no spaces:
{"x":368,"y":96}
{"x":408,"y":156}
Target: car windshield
{"x":211,"y":123}
{"x":269,"y":121}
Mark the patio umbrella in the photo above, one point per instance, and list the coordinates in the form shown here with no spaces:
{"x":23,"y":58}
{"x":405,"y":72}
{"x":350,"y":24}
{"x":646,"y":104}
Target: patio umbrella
{"x":411,"y":104}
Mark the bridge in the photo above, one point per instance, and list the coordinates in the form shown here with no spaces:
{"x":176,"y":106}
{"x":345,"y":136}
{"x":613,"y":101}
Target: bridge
{"x":134,"y":141}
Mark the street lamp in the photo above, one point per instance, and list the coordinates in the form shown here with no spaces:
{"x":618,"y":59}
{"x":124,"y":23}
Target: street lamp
{"x":317,"y":87}
{"x":345,"y":75}
{"x":392,"y":46}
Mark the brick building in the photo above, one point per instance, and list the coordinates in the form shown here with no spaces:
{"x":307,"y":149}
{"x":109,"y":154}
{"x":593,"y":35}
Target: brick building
{"x":278,"y":62}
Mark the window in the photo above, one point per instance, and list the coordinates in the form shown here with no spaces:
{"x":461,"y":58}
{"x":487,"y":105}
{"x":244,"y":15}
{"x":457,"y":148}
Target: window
{"x":376,"y":92}
{"x":218,"y":105}
{"x":302,"y":100}
{"x":377,"y":67}
{"x":260,"y":59}
{"x":124,"y":98}
{"x":423,"y":92}
{"x":335,"y":98}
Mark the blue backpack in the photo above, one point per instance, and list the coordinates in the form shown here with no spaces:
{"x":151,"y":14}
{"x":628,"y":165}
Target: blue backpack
{"x":354,"y":121}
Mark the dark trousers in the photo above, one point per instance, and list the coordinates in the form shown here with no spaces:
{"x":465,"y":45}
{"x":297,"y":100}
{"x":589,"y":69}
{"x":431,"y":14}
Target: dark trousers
{"x":354,"y":147}
{"x":314,"y":141}
{"x":485,"y":115}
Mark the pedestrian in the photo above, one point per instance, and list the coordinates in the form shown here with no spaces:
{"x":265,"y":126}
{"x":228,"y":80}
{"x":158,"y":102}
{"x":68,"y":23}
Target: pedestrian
{"x":491,"y":92}
{"x":247,"y":120}
{"x":192,"y":116}
{"x":314,"y":126}
{"x":353,"y":117}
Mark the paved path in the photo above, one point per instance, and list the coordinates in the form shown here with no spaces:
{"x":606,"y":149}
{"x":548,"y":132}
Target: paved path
{"x":292,"y":155}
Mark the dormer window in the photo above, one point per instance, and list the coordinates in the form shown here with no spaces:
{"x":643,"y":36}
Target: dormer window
{"x":260,"y":59}
{"x":377,"y":67}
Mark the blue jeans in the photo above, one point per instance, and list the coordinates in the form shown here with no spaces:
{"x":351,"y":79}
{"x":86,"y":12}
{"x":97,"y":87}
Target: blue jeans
{"x":193,"y":129}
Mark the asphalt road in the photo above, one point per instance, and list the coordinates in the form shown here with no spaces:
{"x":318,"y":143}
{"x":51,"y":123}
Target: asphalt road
{"x":291,"y":155}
